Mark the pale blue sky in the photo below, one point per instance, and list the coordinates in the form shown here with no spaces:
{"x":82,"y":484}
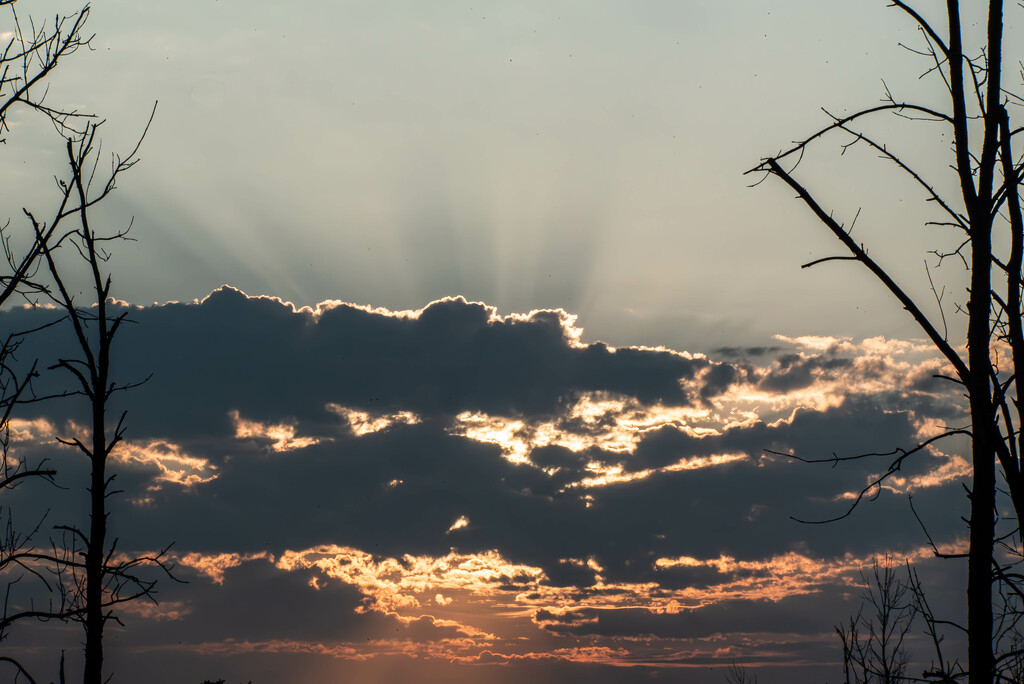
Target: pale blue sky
{"x":587,"y":155}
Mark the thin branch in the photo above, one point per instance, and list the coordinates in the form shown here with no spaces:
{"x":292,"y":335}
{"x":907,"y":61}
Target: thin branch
{"x":925,"y":26}
{"x":859,"y":252}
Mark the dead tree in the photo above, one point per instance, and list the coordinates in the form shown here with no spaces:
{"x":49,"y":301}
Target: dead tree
{"x":83,"y":574}
{"x":737,"y":674}
{"x":873,"y":641}
{"x":100,"y":577}
{"x":27,"y":59}
{"x":985,"y":210}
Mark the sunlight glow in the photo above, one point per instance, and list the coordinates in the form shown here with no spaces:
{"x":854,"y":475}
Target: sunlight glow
{"x":605,"y":474}
{"x":365,"y":423}
{"x":214,"y":565}
{"x":172,"y":463}
{"x":946,"y":469}
{"x":391,"y":584}
{"x":596,"y":420}
{"x":280,"y":435}
{"x":31,"y":430}
{"x":394,"y":586}
{"x":463,"y":521}
{"x":833,"y":370}
{"x":522,"y":612}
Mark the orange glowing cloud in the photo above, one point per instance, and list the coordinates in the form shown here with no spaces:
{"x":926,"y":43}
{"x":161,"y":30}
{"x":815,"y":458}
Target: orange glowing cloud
{"x":605,"y":474}
{"x":779,"y":576}
{"x":214,"y":565}
{"x":365,"y":423}
{"x":873,"y":366}
{"x":612,"y":424}
{"x":401,"y":587}
{"x":617,"y":424}
{"x":596,"y":420}
{"x":945,"y":469}
{"x":280,"y":435}
{"x":172,"y":463}
{"x":522,"y":613}
{"x":31,"y":430}
{"x":391,"y":584}
{"x":168,"y":611}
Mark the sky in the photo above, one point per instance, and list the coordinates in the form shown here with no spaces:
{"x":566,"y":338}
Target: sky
{"x":469,"y":339}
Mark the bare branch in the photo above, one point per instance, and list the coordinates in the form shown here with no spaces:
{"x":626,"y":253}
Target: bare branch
{"x":861,"y":255}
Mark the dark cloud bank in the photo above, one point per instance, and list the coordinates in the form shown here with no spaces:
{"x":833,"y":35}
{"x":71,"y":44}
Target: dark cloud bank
{"x":398,"y":490}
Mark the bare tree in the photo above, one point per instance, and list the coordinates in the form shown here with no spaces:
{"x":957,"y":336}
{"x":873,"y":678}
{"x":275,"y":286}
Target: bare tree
{"x":27,"y":59}
{"x":738,"y":674}
{"x":83,"y":575}
{"x":986,"y":214}
{"x":873,"y":641}
{"x":99,"y":577}
{"x":942,"y":668}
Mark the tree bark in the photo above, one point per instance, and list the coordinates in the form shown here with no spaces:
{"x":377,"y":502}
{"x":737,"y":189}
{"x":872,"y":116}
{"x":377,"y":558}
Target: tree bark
{"x":982,"y":521}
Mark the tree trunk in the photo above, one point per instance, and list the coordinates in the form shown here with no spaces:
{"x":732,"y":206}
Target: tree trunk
{"x":982,"y":523}
{"x":94,"y":574}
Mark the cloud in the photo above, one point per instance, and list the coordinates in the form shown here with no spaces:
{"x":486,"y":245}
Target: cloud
{"x":215,"y":565}
{"x":449,"y":357}
{"x":592,"y":421}
{"x":364,"y":423}
{"x":22,"y":430}
{"x":460,"y":485}
{"x":391,"y":585}
{"x":281,"y":436}
{"x":171,"y":463}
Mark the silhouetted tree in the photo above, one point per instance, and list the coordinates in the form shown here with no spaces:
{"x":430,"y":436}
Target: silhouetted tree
{"x":873,"y":638}
{"x":27,"y":59}
{"x":102,"y":578}
{"x":986,"y":213}
{"x":83,"y":574}
{"x":738,"y":674}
